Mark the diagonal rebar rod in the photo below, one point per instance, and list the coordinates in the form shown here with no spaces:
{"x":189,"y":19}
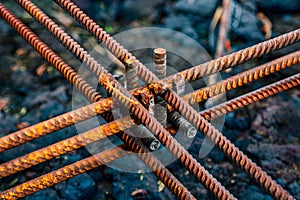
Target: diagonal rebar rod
{"x":251,"y":97}
{"x":63,"y":174}
{"x":157,"y":167}
{"x":49,"y":55}
{"x":243,"y":78}
{"x":85,"y":58}
{"x":223,"y":30}
{"x":117,"y":91}
{"x":139,"y":111}
{"x":173,"y":99}
{"x":190,"y":74}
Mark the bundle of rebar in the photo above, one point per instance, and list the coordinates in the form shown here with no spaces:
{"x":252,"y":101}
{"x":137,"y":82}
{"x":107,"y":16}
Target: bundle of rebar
{"x":152,"y":127}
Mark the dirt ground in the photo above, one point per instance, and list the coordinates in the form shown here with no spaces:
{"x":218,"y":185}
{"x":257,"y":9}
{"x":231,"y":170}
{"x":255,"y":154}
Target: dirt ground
{"x":32,"y":91}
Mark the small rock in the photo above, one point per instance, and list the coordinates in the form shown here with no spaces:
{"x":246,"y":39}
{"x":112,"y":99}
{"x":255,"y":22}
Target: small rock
{"x":181,"y":23}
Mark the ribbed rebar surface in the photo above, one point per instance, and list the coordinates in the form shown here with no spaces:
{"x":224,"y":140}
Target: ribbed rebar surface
{"x":184,"y":115}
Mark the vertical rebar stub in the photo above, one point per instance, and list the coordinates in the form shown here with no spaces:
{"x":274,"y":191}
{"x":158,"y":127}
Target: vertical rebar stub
{"x":131,"y":74}
{"x":160,"y":70}
{"x":179,"y":84}
{"x":160,"y":62}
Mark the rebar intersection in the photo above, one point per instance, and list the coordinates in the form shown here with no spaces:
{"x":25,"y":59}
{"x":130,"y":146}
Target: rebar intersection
{"x":138,"y":111}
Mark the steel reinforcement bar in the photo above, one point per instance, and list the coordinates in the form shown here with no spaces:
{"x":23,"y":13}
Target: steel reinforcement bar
{"x":44,"y":153}
{"x":239,"y":57}
{"x":243,"y":78}
{"x":251,"y":97}
{"x":62,"y":147}
{"x":54,"y":124}
{"x":114,"y":88}
{"x":49,"y":55}
{"x":173,"y":99}
{"x":62,"y":174}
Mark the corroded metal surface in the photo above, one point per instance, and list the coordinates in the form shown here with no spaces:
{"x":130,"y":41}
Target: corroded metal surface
{"x":243,"y":78}
{"x":239,"y":57}
{"x":160,"y":70}
{"x":117,"y":91}
{"x":54,"y":124}
{"x":139,"y":112}
{"x":251,"y":97}
{"x":64,"y":146}
{"x":62,"y":174}
{"x":49,"y":55}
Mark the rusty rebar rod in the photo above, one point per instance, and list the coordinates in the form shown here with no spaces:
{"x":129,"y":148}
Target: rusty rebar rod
{"x":54,"y":124}
{"x":63,"y":174}
{"x":117,"y":91}
{"x":243,"y":78}
{"x":223,"y":30}
{"x":222,"y":142}
{"x":251,"y":97}
{"x":160,"y":70}
{"x":148,"y":74}
{"x":190,"y":74}
{"x":157,"y":168}
{"x":49,"y":55}
{"x":70,"y":44}
{"x":238,"y":57}
{"x":64,"y":146}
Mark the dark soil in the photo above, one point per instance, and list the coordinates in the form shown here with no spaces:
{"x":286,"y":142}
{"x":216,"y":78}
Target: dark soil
{"x":32,"y":91}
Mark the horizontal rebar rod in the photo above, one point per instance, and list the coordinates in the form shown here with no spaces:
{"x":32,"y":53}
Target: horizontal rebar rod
{"x":117,"y":91}
{"x":243,"y":78}
{"x":95,"y":67}
{"x":54,"y":124}
{"x":49,"y":55}
{"x":157,"y":168}
{"x":251,"y":97}
{"x":64,"y":146}
{"x":187,"y":111}
{"x":239,"y":57}
{"x":62,"y":174}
